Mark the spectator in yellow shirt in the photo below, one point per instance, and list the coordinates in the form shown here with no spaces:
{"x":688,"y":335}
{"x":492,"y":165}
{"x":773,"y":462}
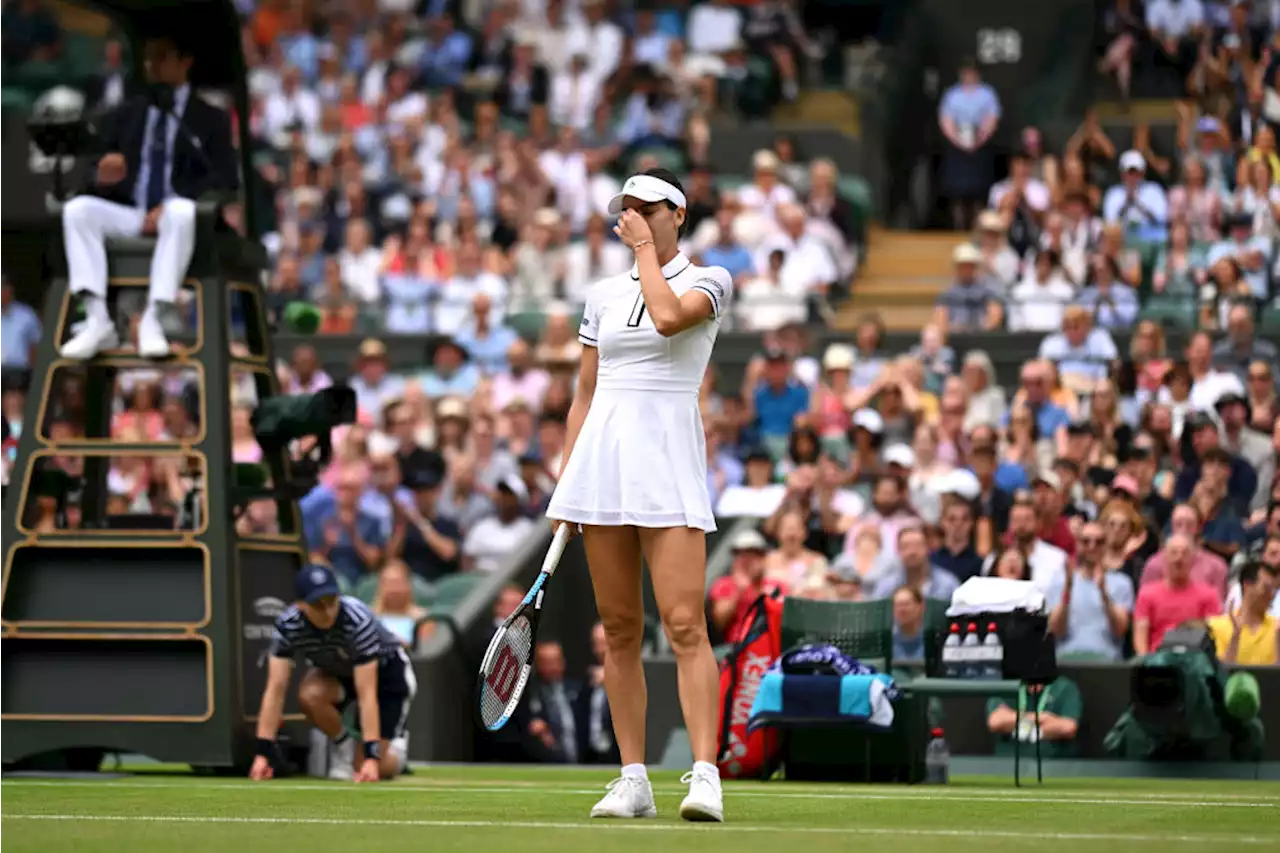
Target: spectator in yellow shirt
{"x":1248,"y":635}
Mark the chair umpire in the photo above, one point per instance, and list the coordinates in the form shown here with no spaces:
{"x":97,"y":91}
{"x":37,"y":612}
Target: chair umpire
{"x":163,"y":150}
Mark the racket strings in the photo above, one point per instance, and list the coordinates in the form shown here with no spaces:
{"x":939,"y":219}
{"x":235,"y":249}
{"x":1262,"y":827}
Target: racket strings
{"x":505,"y":668}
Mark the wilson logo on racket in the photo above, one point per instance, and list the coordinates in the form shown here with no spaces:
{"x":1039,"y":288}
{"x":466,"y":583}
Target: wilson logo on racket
{"x":506,"y":674}
{"x":504,"y":671}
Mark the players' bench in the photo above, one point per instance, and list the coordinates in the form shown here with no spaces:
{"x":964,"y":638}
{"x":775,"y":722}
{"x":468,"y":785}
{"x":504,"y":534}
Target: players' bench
{"x":864,"y":630}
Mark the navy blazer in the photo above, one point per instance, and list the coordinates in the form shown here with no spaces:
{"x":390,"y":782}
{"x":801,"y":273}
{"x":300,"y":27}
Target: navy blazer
{"x":192,"y":175}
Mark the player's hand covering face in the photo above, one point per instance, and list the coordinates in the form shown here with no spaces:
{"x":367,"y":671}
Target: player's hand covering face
{"x":633,"y":228}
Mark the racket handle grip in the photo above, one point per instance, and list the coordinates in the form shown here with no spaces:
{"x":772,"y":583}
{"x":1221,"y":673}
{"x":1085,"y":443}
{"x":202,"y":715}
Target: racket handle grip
{"x":556,"y":551}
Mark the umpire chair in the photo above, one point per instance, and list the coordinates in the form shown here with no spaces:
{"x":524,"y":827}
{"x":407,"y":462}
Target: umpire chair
{"x":136,"y":633}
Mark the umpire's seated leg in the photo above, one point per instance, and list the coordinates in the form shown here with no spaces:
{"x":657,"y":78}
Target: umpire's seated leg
{"x":88,"y":222}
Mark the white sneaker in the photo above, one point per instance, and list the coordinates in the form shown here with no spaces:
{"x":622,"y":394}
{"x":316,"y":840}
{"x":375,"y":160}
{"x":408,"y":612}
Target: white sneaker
{"x":342,"y":760}
{"x":91,"y":337}
{"x":151,"y":340}
{"x":629,"y":796}
{"x":705,"y":801}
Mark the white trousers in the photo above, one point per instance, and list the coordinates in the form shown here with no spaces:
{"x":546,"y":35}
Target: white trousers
{"x":87,"y":223}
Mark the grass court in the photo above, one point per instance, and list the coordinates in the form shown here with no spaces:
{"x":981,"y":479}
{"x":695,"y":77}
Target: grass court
{"x":544,"y":810}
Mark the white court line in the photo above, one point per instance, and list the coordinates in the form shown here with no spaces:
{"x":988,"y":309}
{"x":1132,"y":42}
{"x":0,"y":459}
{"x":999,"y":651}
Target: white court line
{"x":735,"y":792}
{"x":646,"y":826}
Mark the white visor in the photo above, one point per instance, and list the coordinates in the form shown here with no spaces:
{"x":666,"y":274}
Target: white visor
{"x":648,"y":189}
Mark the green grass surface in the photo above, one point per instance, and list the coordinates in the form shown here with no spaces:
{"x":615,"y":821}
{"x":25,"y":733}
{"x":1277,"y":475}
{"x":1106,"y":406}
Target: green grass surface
{"x":536,"y":810}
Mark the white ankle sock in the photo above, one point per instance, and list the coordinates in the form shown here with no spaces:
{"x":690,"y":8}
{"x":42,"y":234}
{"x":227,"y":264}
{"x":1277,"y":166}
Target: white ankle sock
{"x":706,"y":767}
{"x":635,"y":771}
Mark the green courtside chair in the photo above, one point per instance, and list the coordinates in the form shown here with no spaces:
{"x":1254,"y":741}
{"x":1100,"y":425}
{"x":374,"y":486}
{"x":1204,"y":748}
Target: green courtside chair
{"x":1269,"y":323}
{"x":451,"y":589}
{"x":863,"y":630}
{"x":860,"y":629}
{"x":527,"y":324}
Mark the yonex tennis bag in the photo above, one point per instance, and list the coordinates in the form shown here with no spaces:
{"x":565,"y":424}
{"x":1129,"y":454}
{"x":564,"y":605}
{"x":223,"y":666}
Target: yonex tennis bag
{"x":741,"y":754}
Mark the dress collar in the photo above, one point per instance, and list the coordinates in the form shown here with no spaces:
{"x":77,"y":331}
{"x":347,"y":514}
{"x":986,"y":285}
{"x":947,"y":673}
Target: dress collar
{"x":670,"y":269}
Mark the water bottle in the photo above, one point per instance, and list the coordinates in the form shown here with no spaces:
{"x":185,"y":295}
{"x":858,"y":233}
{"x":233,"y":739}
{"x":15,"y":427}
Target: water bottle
{"x":993,"y":657}
{"x":950,"y":666}
{"x":972,"y":667}
{"x":937,"y":760}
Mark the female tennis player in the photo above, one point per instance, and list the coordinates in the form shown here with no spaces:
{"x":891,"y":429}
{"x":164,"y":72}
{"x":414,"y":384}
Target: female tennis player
{"x":635,"y":479}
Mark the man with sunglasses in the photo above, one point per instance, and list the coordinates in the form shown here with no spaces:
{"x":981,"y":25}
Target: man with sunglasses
{"x":1089,"y":607}
{"x":353,"y":658}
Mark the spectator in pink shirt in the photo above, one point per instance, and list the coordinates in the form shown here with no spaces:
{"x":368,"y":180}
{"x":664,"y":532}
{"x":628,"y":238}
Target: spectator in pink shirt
{"x":890,"y":513}
{"x":521,"y":381}
{"x":1206,"y":566}
{"x":1174,"y":600}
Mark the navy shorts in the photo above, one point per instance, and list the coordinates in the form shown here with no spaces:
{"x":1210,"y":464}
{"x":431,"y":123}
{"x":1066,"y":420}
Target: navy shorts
{"x":396,"y":688}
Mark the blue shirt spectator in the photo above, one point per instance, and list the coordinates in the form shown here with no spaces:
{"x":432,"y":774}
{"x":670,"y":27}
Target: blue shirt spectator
{"x":1010,"y":476}
{"x":723,"y":471}
{"x":302,"y":51}
{"x":1245,"y":249}
{"x":344,"y":539}
{"x":1114,"y":305}
{"x":490,"y":350}
{"x":732,"y":256}
{"x":323,"y":500}
{"x":20,"y":330}
{"x":968,"y":301}
{"x":1079,"y":349}
{"x":446,"y":56}
{"x":408,"y":312}
{"x":907,"y":648}
{"x":1088,"y":628}
{"x":940,"y":585}
{"x":642,"y":124}
{"x":968,"y":106}
{"x":777,"y":407}
{"x":460,"y":383}
{"x":1137,"y":203}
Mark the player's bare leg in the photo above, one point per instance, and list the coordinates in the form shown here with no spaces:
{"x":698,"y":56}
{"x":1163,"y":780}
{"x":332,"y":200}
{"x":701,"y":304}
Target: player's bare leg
{"x":677,"y":559}
{"x":613,"y":556}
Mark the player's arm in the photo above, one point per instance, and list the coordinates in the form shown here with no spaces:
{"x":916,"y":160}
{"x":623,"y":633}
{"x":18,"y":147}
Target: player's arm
{"x":365,"y":676}
{"x":671,"y":314}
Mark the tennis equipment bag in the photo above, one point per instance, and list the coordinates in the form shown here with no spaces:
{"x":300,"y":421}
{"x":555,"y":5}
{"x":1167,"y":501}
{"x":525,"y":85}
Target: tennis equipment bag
{"x":742,"y":754}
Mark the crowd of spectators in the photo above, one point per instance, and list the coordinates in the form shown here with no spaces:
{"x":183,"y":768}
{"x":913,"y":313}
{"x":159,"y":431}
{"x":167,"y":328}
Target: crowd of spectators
{"x":439,"y":176}
{"x":436,"y":173}
{"x":1134,"y":509}
{"x":1178,"y":226}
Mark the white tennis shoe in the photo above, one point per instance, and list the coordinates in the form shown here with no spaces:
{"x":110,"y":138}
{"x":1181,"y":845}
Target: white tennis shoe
{"x":629,"y":796}
{"x":706,"y":800}
{"x":342,"y":758}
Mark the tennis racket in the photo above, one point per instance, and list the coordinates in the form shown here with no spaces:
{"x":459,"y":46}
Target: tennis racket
{"x":504,"y":672}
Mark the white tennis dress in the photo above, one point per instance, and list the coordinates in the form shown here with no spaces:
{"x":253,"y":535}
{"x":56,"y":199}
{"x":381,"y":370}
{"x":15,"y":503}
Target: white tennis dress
{"x":641,"y":457}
